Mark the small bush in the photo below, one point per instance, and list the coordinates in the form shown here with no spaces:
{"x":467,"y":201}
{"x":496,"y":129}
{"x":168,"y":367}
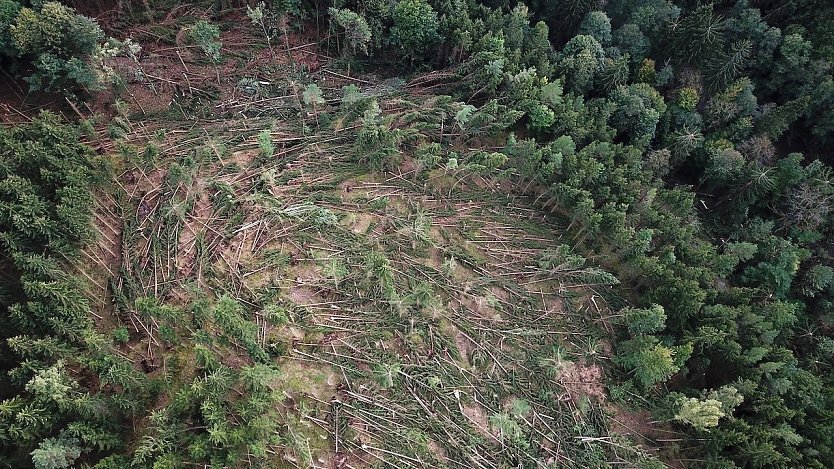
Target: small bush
{"x":121,"y":335}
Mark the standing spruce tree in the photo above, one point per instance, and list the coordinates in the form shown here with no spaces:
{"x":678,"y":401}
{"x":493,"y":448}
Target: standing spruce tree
{"x":57,"y":42}
{"x":353,"y":30}
{"x":415,"y":29}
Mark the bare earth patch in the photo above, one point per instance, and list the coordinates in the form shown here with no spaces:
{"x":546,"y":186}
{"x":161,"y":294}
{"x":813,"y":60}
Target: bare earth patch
{"x":438,"y":451}
{"x":359,"y":222}
{"x":583,"y":380}
{"x":478,"y":418}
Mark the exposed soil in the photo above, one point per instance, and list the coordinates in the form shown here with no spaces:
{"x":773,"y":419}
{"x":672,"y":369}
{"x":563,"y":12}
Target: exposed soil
{"x":360,"y":222}
{"x":478,"y":419}
{"x":583,"y":381}
{"x":464,"y":346}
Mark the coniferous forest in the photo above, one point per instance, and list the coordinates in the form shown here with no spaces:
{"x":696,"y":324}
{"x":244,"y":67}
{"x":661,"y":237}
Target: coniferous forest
{"x":416,"y":233}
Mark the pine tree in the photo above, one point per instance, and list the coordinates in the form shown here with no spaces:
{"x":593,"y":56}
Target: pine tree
{"x":598,"y":25}
{"x":699,"y":34}
{"x":353,"y":28}
{"x":644,"y":320}
{"x":415,"y":28}
{"x":580,"y":61}
{"x":724,"y":66}
{"x":56,"y":453}
{"x":777,"y":121}
{"x":700,"y":414}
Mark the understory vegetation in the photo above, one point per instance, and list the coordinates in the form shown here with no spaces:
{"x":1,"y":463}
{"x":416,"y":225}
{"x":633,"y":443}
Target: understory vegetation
{"x":417,"y":233}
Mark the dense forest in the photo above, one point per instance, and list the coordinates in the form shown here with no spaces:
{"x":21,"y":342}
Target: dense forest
{"x":660,"y":168}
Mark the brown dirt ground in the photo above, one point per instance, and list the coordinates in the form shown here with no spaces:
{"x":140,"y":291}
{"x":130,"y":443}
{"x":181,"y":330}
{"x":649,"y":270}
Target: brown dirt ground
{"x":583,"y":380}
{"x":464,"y":346}
{"x":478,"y":419}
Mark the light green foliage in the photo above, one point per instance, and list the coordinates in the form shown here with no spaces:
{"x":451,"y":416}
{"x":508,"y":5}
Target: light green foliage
{"x":318,"y":216}
{"x":55,"y":29}
{"x":463,"y":115}
{"x":507,"y":428}
{"x":687,"y":98}
{"x":705,"y":413}
{"x":375,"y":142}
{"x":206,"y":35}
{"x":256,"y":15}
{"x":121,"y":335}
{"x":355,"y":30}
{"x":729,"y":398}
{"x":56,"y":453}
{"x":415,"y":28}
{"x":485,"y":162}
{"x":261,"y":16}
{"x":313,"y":96}
{"x":386,"y":374}
{"x":700,"y":414}
{"x":265,"y":143}
{"x":378,"y":275}
{"x":650,"y":361}
{"x":353,"y":103}
{"x":519,"y":408}
{"x":429,"y":156}
{"x":551,"y":93}
{"x":53,"y":386}
{"x":541,"y":117}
